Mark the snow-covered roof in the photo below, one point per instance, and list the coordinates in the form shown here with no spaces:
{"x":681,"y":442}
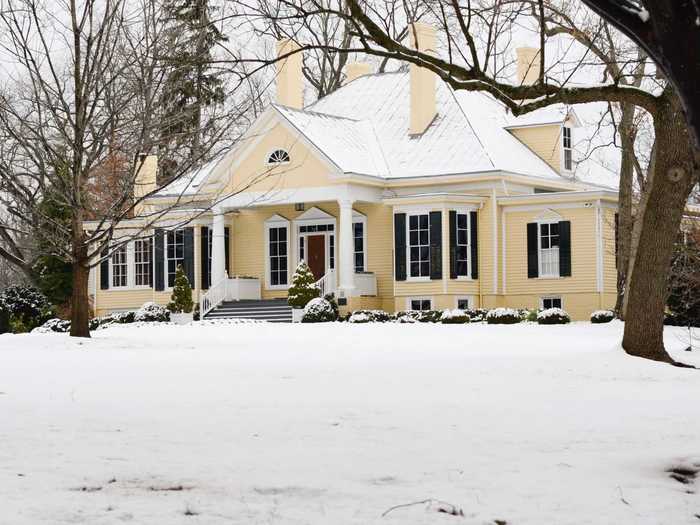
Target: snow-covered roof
{"x":189,"y":183}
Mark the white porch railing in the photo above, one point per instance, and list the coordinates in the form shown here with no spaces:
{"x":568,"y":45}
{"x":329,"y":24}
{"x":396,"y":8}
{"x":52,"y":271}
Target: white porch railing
{"x":327,"y":283}
{"x":214,"y":297}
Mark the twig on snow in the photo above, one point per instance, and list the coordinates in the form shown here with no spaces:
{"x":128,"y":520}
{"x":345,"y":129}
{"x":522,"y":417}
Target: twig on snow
{"x":440,"y":506}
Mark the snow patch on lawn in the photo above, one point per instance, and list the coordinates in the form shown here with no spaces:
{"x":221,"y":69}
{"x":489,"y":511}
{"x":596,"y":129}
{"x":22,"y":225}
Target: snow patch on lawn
{"x":336,"y":423}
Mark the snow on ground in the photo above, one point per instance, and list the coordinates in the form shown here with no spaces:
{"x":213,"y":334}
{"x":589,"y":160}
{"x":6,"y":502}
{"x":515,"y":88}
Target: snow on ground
{"x":334,"y":424}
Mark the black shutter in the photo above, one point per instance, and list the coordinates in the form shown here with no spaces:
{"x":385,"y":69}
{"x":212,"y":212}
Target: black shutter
{"x":474,"y":241}
{"x":104,"y":271}
{"x":204,"y":258}
{"x":226,"y":245}
{"x":400,"y":246}
{"x":564,"y":248}
{"x":159,"y":259}
{"x":435,"y":245}
{"x":453,"y":244}
{"x":532,"y":256}
{"x":188,"y":262}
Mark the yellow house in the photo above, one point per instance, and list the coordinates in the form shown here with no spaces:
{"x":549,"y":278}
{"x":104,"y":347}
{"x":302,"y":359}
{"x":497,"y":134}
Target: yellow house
{"x":399,"y":192}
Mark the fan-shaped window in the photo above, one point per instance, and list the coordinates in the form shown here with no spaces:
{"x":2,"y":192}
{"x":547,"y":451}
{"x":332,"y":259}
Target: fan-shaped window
{"x":279,"y":156}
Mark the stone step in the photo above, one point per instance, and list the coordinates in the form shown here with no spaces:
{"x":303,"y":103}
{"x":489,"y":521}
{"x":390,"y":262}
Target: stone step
{"x":266,"y":310}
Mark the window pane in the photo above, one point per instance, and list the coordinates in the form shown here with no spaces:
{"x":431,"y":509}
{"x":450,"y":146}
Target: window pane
{"x":423,"y":222}
{"x":415,"y":268}
{"x":273,"y":234}
{"x":425,"y":269}
{"x":413,"y":238}
{"x":463,"y":304}
{"x":413,"y":222}
{"x":424,"y":236}
{"x":424,"y":253}
{"x":462,"y":236}
{"x":461,"y":220}
{"x":282,"y":234}
{"x":283,"y":278}
{"x":282,"y":249}
{"x":358,"y":244}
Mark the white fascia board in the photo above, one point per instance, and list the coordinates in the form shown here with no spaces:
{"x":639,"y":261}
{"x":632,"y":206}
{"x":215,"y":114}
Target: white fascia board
{"x":431,"y":198}
{"x":558,"y":197}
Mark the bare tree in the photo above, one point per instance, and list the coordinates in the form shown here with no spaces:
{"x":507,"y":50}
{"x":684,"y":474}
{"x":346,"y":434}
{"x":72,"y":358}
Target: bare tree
{"x":476,"y":40}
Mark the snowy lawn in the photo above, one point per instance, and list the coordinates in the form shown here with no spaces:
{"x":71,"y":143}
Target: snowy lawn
{"x":335,"y":424}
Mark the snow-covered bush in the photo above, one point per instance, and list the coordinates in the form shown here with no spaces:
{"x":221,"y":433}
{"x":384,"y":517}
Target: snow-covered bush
{"x":408,"y":316}
{"x":181,"y":298}
{"x":477,"y":314}
{"x":369,"y":316}
{"x":418,"y":316}
{"x":330,"y":297}
{"x":503,"y":316}
{"x":53,"y":325}
{"x":319,"y":310}
{"x":303,"y":287}
{"x":455,"y":316}
{"x":602,"y":316}
{"x":27,"y":307}
{"x":4,"y":320}
{"x":553,"y":316}
{"x":151,"y":312}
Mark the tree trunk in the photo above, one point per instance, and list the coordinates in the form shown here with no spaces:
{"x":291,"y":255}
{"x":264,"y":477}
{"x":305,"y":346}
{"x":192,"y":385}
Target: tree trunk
{"x":80,"y":307}
{"x":668,"y":186}
{"x":624,"y":216}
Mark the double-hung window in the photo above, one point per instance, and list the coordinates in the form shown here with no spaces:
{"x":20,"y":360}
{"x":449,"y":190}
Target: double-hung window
{"x":358,"y":232}
{"x":420,"y":304}
{"x":174,"y":253}
{"x":550,"y":302}
{"x":419,"y":245}
{"x":462,"y":247}
{"x":567,"y":149}
{"x":549,"y":249}
{"x":120,"y":267}
{"x":278,"y":255}
{"x":142,"y":262}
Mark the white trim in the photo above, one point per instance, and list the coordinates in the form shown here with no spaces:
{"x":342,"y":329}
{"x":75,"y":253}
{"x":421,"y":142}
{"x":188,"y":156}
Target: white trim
{"x":314,"y":215}
{"x":419,"y":298}
{"x":537,"y":207}
{"x":463,"y":211}
{"x":542,"y":298}
{"x":494,"y":234}
{"x":359,"y":218}
{"x":599,"y":247}
{"x":409,"y":277}
{"x":564,"y":169}
{"x":540,"y":273}
{"x":504,"y":262}
{"x":277,"y":221}
{"x":548,"y":215}
{"x":560,"y":195}
{"x":275,"y":150}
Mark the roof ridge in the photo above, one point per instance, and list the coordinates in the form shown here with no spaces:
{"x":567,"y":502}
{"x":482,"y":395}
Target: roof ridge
{"x":319,"y":113}
{"x":343,"y":86}
{"x":469,"y":123}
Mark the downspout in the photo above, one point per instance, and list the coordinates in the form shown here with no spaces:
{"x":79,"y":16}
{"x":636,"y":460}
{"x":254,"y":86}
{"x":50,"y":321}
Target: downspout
{"x":599,"y":253}
{"x":481,"y":266}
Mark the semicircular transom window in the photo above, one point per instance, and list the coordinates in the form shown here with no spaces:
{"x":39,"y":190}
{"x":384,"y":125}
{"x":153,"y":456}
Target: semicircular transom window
{"x":279,"y":156}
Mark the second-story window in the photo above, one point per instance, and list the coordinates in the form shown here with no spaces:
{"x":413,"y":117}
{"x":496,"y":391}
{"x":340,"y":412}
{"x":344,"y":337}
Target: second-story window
{"x":567,"y":148}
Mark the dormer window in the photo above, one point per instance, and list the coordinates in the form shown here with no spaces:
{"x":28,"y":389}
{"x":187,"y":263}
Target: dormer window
{"x":279,"y":156}
{"x":567,"y":149}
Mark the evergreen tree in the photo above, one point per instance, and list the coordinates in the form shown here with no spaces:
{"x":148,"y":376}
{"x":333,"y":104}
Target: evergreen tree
{"x":191,"y":85}
{"x":181,"y":298}
{"x":303,"y":287}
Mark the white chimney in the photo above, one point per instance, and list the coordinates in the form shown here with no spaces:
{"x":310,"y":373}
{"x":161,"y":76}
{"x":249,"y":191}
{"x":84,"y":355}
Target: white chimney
{"x":528,"y":65}
{"x":423,"y":106}
{"x":355,"y":70}
{"x":145,"y":181}
{"x":290,"y":84}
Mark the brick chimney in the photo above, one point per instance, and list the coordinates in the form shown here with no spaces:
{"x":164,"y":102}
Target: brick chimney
{"x":355,"y":70}
{"x":528,"y":65}
{"x":423,"y":106}
{"x":290,"y":84}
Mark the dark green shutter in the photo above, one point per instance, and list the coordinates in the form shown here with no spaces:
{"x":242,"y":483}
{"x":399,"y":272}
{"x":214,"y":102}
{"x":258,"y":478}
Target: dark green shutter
{"x":564,"y":248}
{"x":435,"y":245}
{"x":226,"y":245}
{"x":204,"y":258}
{"x":400,"y":246}
{"x":188,"y":261}
{"x":532,"y":255}
{"x":159,"y":259}
{"x":104,"y":271}
{"x":474,"y":242}
{"x":453,"y":244}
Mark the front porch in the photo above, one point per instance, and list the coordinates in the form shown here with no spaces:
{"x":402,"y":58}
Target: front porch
{"x":266,"y":243}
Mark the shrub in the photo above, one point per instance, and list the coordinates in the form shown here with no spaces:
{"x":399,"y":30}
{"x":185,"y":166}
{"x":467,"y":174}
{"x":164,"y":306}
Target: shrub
{"x":54,"y":325}
{"x":553,"y":316}
{"x":528,"y":315}
{"x":330,"y":297}
{"x":602,"y":316}
{"x":319,"y":310}
{"x":152,"y":312}
{"x":429,"y":316}
{"x":27,"y":307}
{"x":181,"y":298}
{"x":303,"y":287}
{"x":369,"y":316}
{"x":406,"y":316}
{"x":503,"y":316}
{"x":195,"y":313}
{"x":455,"y":316}
{"x":4,"y":320}
{"x":477,"y":314}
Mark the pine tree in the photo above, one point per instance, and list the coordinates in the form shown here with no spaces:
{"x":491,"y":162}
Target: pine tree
{"x":191,"y":85}
{"x":303,"y":287}
{"x":181,"y":298}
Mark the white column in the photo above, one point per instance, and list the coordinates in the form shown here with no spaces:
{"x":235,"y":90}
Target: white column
{"x":218,"y":248}
{"x":347,"y":250}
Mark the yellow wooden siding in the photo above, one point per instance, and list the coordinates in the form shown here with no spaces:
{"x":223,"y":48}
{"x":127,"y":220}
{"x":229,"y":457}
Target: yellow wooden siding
{"x":583,"y":254}
{"x":305,"y":168}
{"x":609,"y":264}
{"x":578,"y":305}
{"x":380,"y":245}
{"x":545,"y":141}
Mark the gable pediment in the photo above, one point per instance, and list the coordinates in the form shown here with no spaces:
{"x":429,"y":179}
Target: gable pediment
{"x":548,"y":215}
{"x":314,"y":214}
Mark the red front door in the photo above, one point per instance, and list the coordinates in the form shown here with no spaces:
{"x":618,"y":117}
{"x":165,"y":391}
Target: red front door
{"x":316,"y":254}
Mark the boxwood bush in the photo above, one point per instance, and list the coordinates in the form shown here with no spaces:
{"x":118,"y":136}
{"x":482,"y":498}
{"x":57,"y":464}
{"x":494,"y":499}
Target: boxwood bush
{"x":455,"y":316}
{"x":602,"y":316}
{"x":369,"y":316}
{"x":27,"y":307}
{"x":503,"y":316}
{"x":319,"y":310}
{"x":151,"y":312}
{"x":553,"y":316}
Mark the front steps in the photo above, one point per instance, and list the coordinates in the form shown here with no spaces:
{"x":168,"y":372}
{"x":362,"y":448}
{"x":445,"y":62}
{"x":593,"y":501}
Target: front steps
{"x":274,"y":311}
